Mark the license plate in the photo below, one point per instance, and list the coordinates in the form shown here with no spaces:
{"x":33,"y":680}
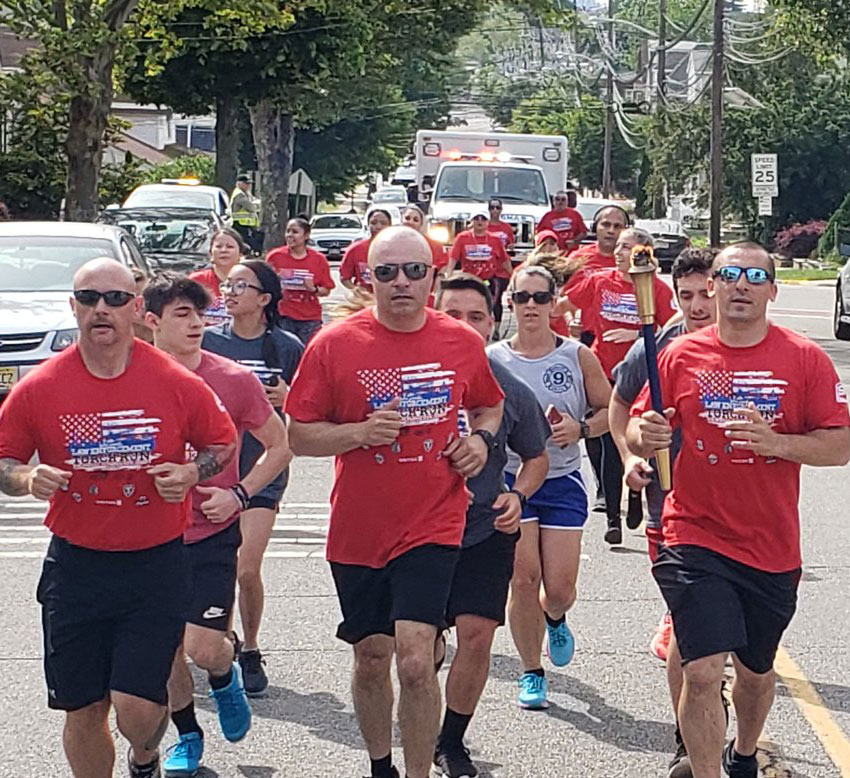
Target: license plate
{"x":334,"y":254}
{"x":8,"y":377}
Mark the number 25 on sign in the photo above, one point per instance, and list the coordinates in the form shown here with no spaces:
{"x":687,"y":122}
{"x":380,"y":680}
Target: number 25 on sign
{"x":765,"y":175}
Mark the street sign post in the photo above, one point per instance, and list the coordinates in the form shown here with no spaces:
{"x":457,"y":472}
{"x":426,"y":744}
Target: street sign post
{"x":765,"y":175}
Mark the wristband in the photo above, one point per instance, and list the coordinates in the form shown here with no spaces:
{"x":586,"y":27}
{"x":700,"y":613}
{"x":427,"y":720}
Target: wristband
{"x":241,"y":495}
{"x":523,"y":500}
{"x":585,"y":430}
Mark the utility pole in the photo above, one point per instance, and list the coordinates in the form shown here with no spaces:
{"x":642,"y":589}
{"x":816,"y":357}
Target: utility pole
{"x":659,"y":201}
{"x":717,"y":126}
{"x":609,"y":108}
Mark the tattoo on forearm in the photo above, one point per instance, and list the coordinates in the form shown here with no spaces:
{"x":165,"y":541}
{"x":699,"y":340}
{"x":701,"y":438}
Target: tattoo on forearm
{"x":213,"y":459}
{"x":11,"y":481}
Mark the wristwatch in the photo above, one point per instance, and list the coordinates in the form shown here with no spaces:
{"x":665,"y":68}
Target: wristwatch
{"x":585,"y":430}
{"x":523,"y":500}
{"x":487,"y":437}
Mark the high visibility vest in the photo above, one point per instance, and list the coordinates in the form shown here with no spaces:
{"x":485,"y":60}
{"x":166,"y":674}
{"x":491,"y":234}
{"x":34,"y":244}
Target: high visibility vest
{"x":244,"y":216}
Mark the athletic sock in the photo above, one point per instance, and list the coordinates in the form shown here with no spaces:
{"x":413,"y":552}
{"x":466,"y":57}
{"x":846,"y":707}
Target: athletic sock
{"x":383,"y":768}
{"x":554,"y":622}
{"x":186,"y":721}
{"x":454,"y":727}
{"x":539,"y":671}
{"x":220,"y":681}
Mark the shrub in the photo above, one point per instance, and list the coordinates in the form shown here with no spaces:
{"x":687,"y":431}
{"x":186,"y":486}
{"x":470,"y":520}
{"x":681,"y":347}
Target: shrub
{"x":841,"y":218}
{"x":800,"y":240}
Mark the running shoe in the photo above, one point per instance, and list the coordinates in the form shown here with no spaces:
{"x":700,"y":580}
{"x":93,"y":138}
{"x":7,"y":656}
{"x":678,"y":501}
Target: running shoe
{"x":143,"y":771}
{"x":634,"y":512}
{"x":183,"y":759}
{"x":680,"y":765}
{"x":561,"y":644}
{"x":599,"y":505}
{"x":614,"y":533}
{"x":660,"y":643}
{"x":253,"y":675}
{"x":234,"y":713}
{"x":737,"y":766}
{"x":532,"y":692}
{"x":453,"y":761}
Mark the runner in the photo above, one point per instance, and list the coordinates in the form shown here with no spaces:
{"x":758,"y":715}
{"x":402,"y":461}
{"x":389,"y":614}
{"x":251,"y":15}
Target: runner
{"x":252,"y":293}
{"x":753,"y":402}
{"x":479,"y":592}
{"x":175,"y":307}
{"x":114,"y":587}
{"x":478,"y":251}
{"x":691,"y":274}
{"x":354,"y":270}
{"x":413,"y":216}
{"x":504,"y":232}
{"x":564,"y":220}
{"x":226,"y":249}
{"x":306,"y":276}
{"x":567,"y":380}
{"x":608,"y":296}
{"x":399,"y":504}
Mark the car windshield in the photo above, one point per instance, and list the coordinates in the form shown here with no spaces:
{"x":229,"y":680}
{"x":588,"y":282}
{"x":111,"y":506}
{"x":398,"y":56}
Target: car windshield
{"x":479,"y":183}
{"x":43,"y":264}
{"x":166,"y":233}
{"x":178,"y":197}
{"x":389,"y":197}
{"x":588,"y":210}
{"x":336,"y":223}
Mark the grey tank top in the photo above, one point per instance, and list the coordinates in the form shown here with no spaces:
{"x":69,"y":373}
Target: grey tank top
{"x":556,"y":379}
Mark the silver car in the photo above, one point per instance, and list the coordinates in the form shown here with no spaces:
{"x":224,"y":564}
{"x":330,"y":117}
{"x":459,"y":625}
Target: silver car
{"x":37,"y":265}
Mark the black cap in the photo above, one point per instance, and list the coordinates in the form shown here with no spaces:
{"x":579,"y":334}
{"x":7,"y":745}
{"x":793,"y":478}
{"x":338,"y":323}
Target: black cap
{"x":243,"y":179}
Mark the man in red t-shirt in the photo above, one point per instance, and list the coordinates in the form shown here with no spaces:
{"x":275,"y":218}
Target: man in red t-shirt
{"x":111,"y":447}
{"x":564,"y":220}
{"x":754,"y":401}
{"x":505,"y":233}
{"x":175,"y":312}
{"x":478,"y":251}
{"x":381,"y":392}
{"x":354,"y":270}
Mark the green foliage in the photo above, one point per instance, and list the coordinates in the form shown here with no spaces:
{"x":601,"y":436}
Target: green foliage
{"x":200,"y":166}
{"x":841,"y":218}
{"x":117,"y":180}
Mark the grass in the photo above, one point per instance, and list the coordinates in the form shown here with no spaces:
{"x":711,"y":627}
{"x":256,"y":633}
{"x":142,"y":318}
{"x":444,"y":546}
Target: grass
{"x":806,"y":274}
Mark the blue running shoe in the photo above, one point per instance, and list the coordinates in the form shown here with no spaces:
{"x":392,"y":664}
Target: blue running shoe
{"x":532,"y":692}
{"x":561,"y":644}
{"x":234,"y":712}
{"x":183,"y":759}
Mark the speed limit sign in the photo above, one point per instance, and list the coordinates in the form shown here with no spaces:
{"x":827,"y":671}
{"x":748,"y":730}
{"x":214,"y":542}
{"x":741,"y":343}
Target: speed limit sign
{"x":765,"y":171}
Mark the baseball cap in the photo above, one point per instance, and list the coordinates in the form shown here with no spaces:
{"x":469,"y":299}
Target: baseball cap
{"x":541,"y":236}
{"x":243,"y":179}
{"x":482,"y":212}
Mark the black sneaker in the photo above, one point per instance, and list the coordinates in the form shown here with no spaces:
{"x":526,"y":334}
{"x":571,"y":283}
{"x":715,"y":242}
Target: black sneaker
{"x":599,"y":506}
{"x":143,"y":771}
{"x":614,"y":533}
{"x":253,"y":675}
{"x":737,"y":766}
{"x":680,"y":765}
{"x":454,"y":762}
{"x":634,"y":513}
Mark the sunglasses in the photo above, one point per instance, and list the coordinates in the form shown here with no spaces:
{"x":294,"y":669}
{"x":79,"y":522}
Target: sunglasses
{"x":541,"y":298}
{"x":114,"y":299}
{"x":495,"y":207}
{"x":732,"y":273}
{"x":415,"y":271}
{"x":238,"y":287}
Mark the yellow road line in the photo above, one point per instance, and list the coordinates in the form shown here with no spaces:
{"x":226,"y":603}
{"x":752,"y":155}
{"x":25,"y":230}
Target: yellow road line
{"x":831,"y":736}
{"x":770,"y":762}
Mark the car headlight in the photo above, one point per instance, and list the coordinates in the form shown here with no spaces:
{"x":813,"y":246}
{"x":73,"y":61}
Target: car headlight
{"x":64,"y":338}
{"x":439,"y":233}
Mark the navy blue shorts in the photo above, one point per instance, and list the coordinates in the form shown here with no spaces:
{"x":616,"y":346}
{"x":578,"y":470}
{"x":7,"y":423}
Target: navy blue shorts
{"x":561,"y":503}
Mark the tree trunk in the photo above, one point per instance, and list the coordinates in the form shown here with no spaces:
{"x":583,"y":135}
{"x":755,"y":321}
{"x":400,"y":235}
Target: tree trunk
{"x":87,"y":119}
{"x":274,"y":138}
{"x":227,"y":141}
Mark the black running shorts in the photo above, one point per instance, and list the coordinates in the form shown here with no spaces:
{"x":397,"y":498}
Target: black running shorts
{"x":112,"y":621}
{"x":412,"y":587}
{"x":482,"y":579}
{"x":213,"y":564}
{"x":720,"y":605}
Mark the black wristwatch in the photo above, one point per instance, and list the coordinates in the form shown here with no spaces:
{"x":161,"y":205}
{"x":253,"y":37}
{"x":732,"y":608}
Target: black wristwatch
{"x":487,"y":437}
{"x":585,"y":430}
{"x":522,"y":498}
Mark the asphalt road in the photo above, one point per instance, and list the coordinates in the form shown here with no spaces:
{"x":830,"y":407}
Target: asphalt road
{"x":609,"y":714}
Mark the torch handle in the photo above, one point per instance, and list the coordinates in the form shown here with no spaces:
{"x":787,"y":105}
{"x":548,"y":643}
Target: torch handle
{"x":662,"y":456}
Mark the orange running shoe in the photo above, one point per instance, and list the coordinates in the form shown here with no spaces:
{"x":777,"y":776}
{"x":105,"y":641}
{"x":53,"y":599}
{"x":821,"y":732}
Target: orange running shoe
{"x":660,"y":642}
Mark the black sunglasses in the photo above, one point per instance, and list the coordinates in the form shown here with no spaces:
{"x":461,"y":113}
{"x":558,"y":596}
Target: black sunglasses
{"x":415,"y":271}
{"x":732,"y":273}
{"x":541,"y":298}
{"x":114,"y":299}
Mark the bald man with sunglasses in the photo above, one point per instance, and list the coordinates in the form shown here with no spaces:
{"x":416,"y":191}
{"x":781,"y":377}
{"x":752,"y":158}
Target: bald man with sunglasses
{"x":754,"y":401}
{"x":382,"y":391}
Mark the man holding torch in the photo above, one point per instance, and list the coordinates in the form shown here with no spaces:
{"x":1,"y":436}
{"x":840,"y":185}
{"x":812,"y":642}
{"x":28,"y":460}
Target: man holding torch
{"x":753,"y":401}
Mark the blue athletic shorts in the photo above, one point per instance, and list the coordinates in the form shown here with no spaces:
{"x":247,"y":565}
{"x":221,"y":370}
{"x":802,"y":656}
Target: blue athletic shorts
{"x":561,"y":503}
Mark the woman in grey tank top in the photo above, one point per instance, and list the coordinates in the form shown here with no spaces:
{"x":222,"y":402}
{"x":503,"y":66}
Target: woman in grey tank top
{"x":568,"y":381}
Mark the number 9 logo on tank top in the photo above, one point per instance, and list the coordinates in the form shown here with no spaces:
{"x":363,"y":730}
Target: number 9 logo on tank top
{"x":558,"y":378}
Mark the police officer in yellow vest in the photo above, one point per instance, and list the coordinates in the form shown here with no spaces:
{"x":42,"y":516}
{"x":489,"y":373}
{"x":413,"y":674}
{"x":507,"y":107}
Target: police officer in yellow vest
{"x":246,"y":213}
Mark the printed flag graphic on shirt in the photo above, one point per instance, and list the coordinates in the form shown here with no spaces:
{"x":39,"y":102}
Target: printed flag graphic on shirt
{"x":722,"y":392}
{"x":216,"y":313}
{"x":479,"y":253}
{"x":295,"y":278}
{"x":620,"y":308}
{"x":113,"y":440}
{"x":425,"y":391}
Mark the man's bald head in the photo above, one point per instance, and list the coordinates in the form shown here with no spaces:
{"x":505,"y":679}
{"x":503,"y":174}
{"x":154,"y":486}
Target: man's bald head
{"x":399,"y":244}
{"x":107,"y":273}
{"x":745,"y":252}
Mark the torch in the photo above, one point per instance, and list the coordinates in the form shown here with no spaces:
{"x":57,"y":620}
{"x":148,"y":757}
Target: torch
{"x":642,"y":267}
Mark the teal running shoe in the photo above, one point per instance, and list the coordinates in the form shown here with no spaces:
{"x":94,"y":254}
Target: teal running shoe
{"x":532,"y":692}
{"x":234,"y":712}
{"x":183,"y":759}
{"x":561,"y":644}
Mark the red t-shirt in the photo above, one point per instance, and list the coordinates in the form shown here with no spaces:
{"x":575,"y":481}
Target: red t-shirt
{"x":387,"y":500}
{"x":567,"y":224}
{"x":243,"y":396}
{"x":479,"y":256}
{"x":611,"y":304}
{"x":216,"y":313}
{"x":594,"y":259}
{"x":730,"y":500}
{"x":505,"y":233}
{"x":109,"y":431}
{"x":438,"y":253}
{"x":355,"y":264}
{"x":297,"y":302}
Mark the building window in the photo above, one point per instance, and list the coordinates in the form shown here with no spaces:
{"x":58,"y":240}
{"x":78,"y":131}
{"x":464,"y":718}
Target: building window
{"x":203,"y":138}
{"x":181,"y":134}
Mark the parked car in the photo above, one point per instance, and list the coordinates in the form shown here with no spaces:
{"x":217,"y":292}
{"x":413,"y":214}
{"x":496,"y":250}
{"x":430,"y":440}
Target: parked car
{"x":170,"y":238}
{"x":37,"y":265}
{"x":390,"y":195}
{"x":181,"y":193}
{"x":332,"y":233}
{"x":841,"y":317}
{"x":669,"y":237}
